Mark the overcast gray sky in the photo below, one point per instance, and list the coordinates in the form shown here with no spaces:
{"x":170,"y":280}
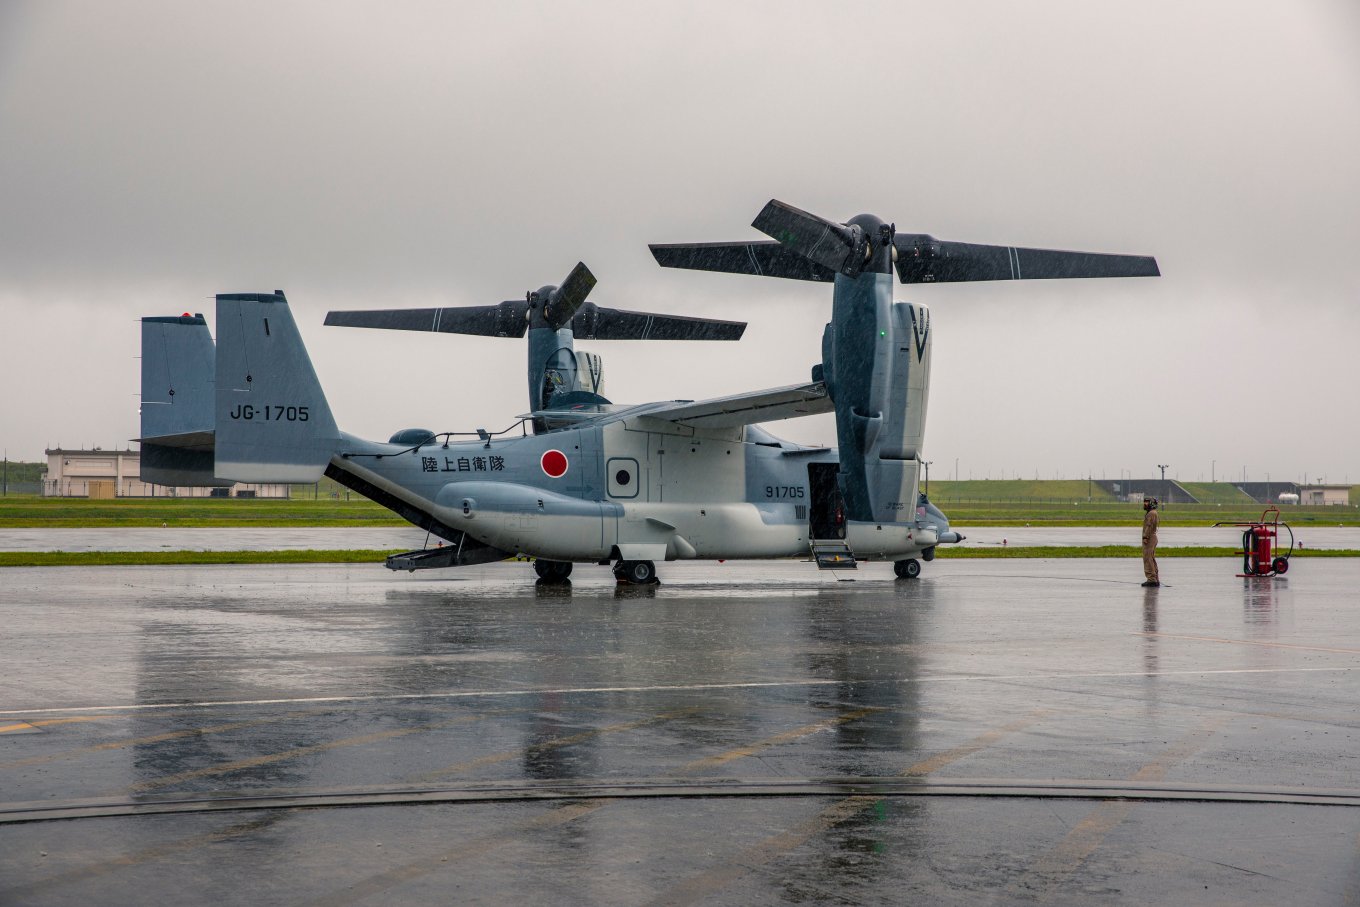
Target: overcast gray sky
{"x":411,"y":154}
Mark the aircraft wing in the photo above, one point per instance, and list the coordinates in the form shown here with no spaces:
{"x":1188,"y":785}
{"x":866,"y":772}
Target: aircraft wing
{"x":749,"y":408}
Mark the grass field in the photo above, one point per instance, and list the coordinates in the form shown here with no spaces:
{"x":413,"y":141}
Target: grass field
{"x":1218,"y":493}
{"x":1017,"y":491}
{"x":1066,"y":503}
{"x":982,"y":503}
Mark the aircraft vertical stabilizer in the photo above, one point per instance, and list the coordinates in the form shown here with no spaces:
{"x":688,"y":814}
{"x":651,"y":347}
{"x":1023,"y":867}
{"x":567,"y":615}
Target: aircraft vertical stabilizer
{"x":177,"y":401}
{"x":273,"y":422}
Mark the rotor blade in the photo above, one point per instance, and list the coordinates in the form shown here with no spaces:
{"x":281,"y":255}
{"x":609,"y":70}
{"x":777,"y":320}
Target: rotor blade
{"x":567,"y":298}
{"x":923,"y":259}
{"x":829,"y":244}
{"x":764,"y":258}
{"x":504,"y":320}
{"x":594,"y":322}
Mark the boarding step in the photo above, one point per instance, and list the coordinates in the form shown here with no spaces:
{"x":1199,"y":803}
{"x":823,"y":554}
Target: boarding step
{"x":424,"y":559}
{"x":833,"y":554}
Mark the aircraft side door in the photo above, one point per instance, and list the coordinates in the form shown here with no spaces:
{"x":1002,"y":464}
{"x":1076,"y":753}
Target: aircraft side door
{"x":826,"y":513}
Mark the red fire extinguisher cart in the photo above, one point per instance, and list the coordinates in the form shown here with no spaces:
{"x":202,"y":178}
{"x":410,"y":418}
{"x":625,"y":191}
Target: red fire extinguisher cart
{"x":1262,"y":554}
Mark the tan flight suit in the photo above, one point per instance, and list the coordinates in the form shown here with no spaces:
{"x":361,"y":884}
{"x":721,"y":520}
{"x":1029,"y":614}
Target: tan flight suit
{"x":1150,"y":546}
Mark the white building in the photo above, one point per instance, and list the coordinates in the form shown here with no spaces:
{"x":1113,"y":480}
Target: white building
{"x":1323,"y":495}
{"x":117,"y":474}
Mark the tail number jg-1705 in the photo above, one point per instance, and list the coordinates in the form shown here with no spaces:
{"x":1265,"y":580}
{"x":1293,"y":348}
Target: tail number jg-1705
{"x":268,"y":413}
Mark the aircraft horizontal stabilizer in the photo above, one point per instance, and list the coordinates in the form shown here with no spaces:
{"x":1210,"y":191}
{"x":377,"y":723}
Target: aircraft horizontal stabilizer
{"x":750,"y":408}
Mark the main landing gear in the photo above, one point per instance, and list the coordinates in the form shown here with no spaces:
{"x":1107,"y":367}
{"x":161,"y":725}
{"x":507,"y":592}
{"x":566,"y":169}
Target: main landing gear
{"x":552,"y":571}
{"x":636,"y":573}
{"x":907,"y":569}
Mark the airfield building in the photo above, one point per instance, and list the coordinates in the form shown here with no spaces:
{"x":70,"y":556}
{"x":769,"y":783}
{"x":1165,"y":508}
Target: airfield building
{"x":101,"y":473}
{"x":1324,"y":495}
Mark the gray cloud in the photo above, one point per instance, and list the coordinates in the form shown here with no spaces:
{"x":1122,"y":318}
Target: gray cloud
{"x":153,"y":154}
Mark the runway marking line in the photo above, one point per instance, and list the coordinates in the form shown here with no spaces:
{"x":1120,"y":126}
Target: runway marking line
{"x":268,"y":758}
{"x":664,"y":688}
{"x":786,"y":737}
{"x":1252,"y":642}
{"x":154,"y":738}
{"x":546,"y":745}
{"x":46,"y":722}
{"x":1087,"y":835}
{"x":707,"y":884}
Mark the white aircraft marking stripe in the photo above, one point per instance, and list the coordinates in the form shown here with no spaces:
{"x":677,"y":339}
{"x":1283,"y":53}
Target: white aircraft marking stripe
{"x":660,"y":688}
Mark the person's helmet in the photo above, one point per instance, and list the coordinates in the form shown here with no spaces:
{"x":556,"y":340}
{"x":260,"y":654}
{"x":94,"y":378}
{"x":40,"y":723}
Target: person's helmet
{"x":1149,"y":503}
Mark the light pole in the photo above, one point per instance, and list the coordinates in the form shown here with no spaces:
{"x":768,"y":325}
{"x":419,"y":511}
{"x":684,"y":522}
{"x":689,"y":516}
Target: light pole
{"x":926,"y":464}
{"x":1163,"y":468}
{"x":1212,"y":464}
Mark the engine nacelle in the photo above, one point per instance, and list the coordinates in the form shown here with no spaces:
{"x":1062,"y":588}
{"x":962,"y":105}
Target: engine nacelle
{"x":876,"y":362}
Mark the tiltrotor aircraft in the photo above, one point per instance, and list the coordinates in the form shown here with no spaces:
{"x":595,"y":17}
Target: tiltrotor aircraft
{"x":589,"y":481}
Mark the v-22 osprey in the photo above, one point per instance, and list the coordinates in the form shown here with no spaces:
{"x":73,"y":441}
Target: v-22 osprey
{"x":580,"y":479}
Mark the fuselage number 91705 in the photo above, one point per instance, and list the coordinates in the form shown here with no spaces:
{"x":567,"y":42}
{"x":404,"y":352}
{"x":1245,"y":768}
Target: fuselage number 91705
{"x":784,"y":491}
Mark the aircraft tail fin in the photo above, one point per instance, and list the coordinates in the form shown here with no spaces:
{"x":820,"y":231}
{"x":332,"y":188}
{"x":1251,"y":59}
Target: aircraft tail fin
{"x":273,"y":422}
{"x":177,"y":401}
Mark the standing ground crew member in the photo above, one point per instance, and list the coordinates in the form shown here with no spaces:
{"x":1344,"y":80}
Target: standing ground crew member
{"x":1150,"y":542}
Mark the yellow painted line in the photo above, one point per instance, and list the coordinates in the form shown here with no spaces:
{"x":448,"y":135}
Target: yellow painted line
{"x":296,"y":752}
{"x":706,"y":886}
{"x":46,"y":722}
{"x":459,"y":768}
{"x":1054,"y":867}
{"x":786,"y":737}
{"x":153,"y":739}
{"x":1254,"y":642}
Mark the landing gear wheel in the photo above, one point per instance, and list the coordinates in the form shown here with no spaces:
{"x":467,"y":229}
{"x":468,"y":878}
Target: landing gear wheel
{"x":1280,"y":565}
{"x":907,"y":569}
{"x":637,"y":573}
{"x":552,"y":571}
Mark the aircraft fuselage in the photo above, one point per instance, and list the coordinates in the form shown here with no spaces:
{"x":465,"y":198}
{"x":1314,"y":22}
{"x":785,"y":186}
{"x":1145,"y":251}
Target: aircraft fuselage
{"x":623,"y":485}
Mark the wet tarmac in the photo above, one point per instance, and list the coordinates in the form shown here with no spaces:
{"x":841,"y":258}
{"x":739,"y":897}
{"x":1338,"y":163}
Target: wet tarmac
{"x":313,"y":538}
{"x":409,"y":538}
{"x":1038,"y":731}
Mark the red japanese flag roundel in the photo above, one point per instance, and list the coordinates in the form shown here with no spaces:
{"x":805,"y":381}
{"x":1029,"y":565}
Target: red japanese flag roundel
{"x":554,"y":463}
